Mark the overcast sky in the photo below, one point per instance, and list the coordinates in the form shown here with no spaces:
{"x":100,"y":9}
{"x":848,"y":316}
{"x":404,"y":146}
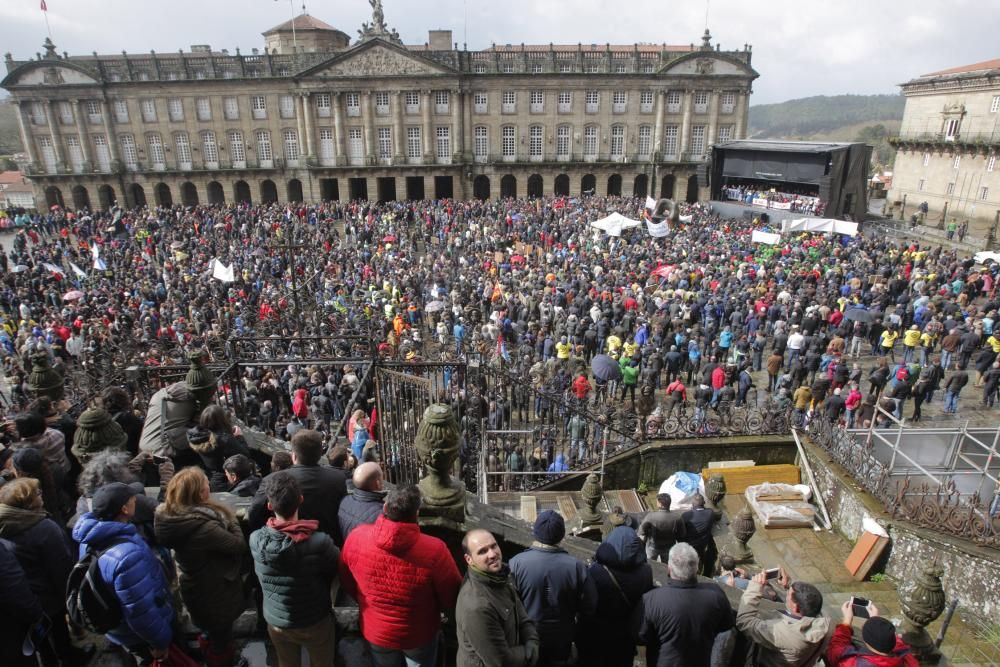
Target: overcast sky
{"x":800,"y":47}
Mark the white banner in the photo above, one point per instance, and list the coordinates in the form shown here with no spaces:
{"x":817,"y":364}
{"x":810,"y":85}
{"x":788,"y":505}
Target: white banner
{"x":657,"y":229}
{"x":77,"y":270}
{"x":222,"y":272}
{"x":760,"y":201}
{"x":53,"y":268}
{"x":782,"y":205}
{"x":765,"y":237}
{"x":650,"y":203}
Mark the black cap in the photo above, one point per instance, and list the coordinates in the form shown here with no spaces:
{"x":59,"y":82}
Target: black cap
{"x":549,"y":528}
{"x":28,"y":460}
{"x":108,"y":500}
{"x":880,"y":634}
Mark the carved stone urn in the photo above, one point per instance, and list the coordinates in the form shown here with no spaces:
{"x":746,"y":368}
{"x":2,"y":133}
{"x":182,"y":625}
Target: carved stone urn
{"x":715,"y":491}
{"x":43,"y":380}
{"x":437,"y":445}
{"x":591,"y":519}
{"x":742,"y":529}
{"x":922,"y":602}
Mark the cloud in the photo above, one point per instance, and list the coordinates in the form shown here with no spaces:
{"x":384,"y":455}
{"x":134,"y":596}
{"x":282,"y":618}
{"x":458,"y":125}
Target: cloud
{"x":800,"y":47}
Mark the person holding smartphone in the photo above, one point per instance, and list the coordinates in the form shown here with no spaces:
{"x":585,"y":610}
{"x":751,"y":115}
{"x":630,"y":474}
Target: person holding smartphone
{"x":882,"y":646}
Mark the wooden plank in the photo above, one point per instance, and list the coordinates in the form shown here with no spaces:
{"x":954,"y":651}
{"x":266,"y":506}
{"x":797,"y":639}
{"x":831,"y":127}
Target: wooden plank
{"x":862,"y":558}
{"x":567,"y":507}
{"x":746,"y":463}
{"x":738,"y":479}
{"x":627,"y":499}
{"x":529,"y":509}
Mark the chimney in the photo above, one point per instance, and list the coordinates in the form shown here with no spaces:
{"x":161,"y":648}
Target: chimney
{"x":439,"y":40}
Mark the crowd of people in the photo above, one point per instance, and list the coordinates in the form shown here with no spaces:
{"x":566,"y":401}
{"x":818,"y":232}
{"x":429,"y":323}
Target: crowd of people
{"x":852,"y":330}
{"x":786,"y":198}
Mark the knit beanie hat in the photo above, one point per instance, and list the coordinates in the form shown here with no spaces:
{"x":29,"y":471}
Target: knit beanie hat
{"x":28,"y":460}
{"x":95,"y":432}
{"x":880,"y":634}
{"x":549,"y":528}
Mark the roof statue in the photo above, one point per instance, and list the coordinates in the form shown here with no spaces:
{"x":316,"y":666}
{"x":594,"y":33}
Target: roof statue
{"x":377,"y":28}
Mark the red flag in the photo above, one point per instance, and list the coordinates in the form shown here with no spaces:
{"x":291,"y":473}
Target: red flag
{"x":44,"y":7}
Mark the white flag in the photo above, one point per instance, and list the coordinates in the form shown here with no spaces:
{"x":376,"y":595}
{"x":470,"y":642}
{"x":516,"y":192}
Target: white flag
{"x":759,"y":236}
{"x":650,"y":203}
{"x":77,"y":270}
{"x":657,"y":229}
{"x":222,"y":272}
{"x":53,"y":268}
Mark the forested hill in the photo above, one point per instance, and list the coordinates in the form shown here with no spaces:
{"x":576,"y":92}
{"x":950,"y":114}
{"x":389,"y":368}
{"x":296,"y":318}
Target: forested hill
{"x":807,"y":117}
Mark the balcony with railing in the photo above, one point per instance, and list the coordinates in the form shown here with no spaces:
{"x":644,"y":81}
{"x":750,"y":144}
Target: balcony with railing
{"x":985,"y":139}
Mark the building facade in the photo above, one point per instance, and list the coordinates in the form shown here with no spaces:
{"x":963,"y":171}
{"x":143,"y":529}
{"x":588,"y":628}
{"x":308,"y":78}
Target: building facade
{"x":314,"y":116}
{"x":949,"y":148}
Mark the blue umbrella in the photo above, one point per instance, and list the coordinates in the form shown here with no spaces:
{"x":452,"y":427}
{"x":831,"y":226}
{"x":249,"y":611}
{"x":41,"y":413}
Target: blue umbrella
{"x":605,"y":368}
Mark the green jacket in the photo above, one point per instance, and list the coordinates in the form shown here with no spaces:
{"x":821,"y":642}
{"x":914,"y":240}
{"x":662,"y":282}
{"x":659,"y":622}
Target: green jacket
{"x":630,"y":375}
{"x":493,"y":626}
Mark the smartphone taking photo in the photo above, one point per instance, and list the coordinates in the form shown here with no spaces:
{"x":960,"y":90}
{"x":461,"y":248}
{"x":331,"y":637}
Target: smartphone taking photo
{"x":860,"y":606}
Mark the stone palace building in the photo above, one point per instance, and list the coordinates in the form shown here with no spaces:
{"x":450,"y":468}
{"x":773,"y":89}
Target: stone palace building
{"x":313,"y":116}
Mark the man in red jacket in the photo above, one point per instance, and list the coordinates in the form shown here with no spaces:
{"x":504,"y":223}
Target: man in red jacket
{"x":402,"y":581}
{"x":882,"y":646}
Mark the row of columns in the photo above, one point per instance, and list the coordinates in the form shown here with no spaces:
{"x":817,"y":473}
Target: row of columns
{"x":56,"y":134}
{"x":687,"y":100}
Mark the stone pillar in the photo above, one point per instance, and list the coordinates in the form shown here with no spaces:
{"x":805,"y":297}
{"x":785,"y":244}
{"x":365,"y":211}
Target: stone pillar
{"x":658,"y":127}
{"x":367,"y":116}
{"x":740,"y":113}
{"x":299,"y":125}
{"x":467,"y":127}
{"x":27,"y":139}
{"x":372,"y":185}
{"x":682,"y":149}
{"x":713,"y":120}
{"x":54,"y":133}
{"x":427,"y":100}
{"x":338,"y":130}
{"x":398,"y":140}
{"x":457,"y":124}
{"x":84,"y":147}
{"x":307,"y":112}
{"x":106,"y":121}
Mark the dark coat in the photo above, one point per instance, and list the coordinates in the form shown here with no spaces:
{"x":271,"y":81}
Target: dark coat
{"x":493,"y":626}
{"x":678,"y":622}
{"x":358,"y":507}
{"x":18,"y":606}
{"x":604,"y":639}
{"x":208,"y":551}
{"x":662,"y":528}
{"x":322,"y":487}
{"x":44,"y":552}
{"x":698,"y":526}
{"x":214,"y":452}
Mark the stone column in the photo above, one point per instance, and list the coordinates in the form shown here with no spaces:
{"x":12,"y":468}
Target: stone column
{"x":658,"y":127}
{"x":457,"y":124}
{"x":427,"y":100}
{"x":299,"y":128}
{"x":27,"y":139}
{"x":398,"y":140}
{"x":467,"y":127}
{"x":367,"y":116}
{"x":682,"y":149}
{"x":106,"y":121}
{"x":308,"y":113}
{"x":54,"y":133}
{"x":84,"y":147}
{"x":713,"y":119}
{"x":740,"y":113}
{"x":338,"y":129}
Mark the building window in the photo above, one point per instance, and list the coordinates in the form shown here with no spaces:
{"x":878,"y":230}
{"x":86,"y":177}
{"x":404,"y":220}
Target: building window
{"x":727,"y":102}
{"x":991,"y":163}
{"x":995,"y":106}
{"x":200,"y":74}
{"x":441,"y":99}
{"x":479,"y":68}
{"x":536,"y":68}
{"x":920,"y":185}
{"x":592,"y":101}
{"x":326,"y":146}
{"x":725,"y":134}
{"x":481,"y":143}
{"x":286,"y":106}
{"x":323,"y":105}
{"x":129,"y":154}
{"x":230,"y":108}
{"x":204,"y":108}
{"x":291,"y":145}
{"x":950,"y":189}
{"x":697,"y":139}
{"x":647,"y":68}
{"x":562,"y":142}
{"x":102,"y":152}
{"x":951,"y":129}
{"x":156,"y":156}
{"x":621,"y":68}
{"x":414,"y":144}
{"x":536,"y":99}
{"x":508,"y":136}
{"x":958,"y":161}
{"x":645,"y":141}
{"x":617,"y":142}
{"x":382,"y":103}
{"x":590,"y":142}
{"x":565,"y":69}
{"x":93,"y":112}
{"x":353,"y":103}
{"x":175,"y":109}
{"x":264,"y":154}
{"x":670,"y":140}
{"x":646,"y":101}
{"x":121,"y":111}
{"x":412,"y":102}
{"x":984,"y":193}
{"x":37,"y":113}
{"x":237,"y":149}
{"x":674,"y":101}
{"x":258,"y":103}
{"x":536,"y":134}
{"x":701,"y":102}
{"x":592,"y":69}
{"x":565,"y":101}
{"x":509,"y":102}
{"x":619,"y":100}
{"x":355,"y":146}
{"x":49,"y":154}
{"x":210,"y":149}
{"x":507,"y":68}
{"x":443,"y":144}
{"x":75,"y":153}
{"x":384,"y":143}
{"x":148,"y":108}
{"x":183,"y":148}
{"x":65,"y":113}
{"x":927,"y":159}
{"x":480,"y":102}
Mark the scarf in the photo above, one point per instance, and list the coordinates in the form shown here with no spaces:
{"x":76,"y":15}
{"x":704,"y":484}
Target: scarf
{"x":298,"y":530}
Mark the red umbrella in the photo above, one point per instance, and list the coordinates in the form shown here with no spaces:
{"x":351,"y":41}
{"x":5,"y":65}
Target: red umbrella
{"x":663,"y":271}
{"x":389,"y":238}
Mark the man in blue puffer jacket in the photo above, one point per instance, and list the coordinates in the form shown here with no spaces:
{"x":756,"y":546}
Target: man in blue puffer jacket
{"x":131,"y":569}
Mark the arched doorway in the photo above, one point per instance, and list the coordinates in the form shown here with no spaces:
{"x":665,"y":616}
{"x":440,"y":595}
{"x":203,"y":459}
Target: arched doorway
{"x":106,"y":197}
{"x":535,"y":186}
{"x":692,"y":193}
{"x":481,"y":187}
{"x":137,"y":194}
{"x":241,"y":192}
{"x":215,"y":193}
{"x":588,"y":185}
{"x":508,"y":187}
{"x":615,"y":185}
{"x":162,"y":194}
{"x":53,"y":197}
{"x":561,"y":187}
{"x":667,"y":186}
{"x":295,"y":190}
{"x":640,"y":188}
{"x":189,"y":194}
{"x":81,"y":198}
{"x":268,"y":192}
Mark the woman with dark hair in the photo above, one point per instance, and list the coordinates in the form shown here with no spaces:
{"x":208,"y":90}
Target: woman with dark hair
{"x":29,"y":464}
{"x":35,"y":433}
{"x":117,"y":402}
{"x":215,"y":439}
{"x":208,"y":549}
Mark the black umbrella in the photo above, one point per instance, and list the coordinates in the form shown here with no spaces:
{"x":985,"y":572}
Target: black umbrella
{"x":859,"y":315}
{"x":605,"y":368}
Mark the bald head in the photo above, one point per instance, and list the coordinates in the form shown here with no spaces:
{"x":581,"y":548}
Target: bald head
{"x":482,"y":551}
{"x":368,"y":477}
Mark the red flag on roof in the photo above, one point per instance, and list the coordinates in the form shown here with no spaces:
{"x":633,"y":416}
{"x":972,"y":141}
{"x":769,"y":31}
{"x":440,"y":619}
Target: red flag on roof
{"x":44,"y":7}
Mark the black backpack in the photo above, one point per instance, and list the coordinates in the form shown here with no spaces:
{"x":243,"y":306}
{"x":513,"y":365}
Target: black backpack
{"x":90,"y":602}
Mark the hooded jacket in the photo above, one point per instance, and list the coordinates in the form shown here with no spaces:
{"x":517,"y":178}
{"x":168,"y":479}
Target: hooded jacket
{"x":402,"y":580}
{"x":295,"y":564}
{"x":171,"y":410}
{"x":44,"y":552}
{"x":843,"y":653}
{"x":214,"y":452}
{"x":132,"y":570}
{"x":493,"y":626}
{"x":783,"y":640}
{"x":359,"y":507}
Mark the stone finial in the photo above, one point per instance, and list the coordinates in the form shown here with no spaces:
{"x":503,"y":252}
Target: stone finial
{"x":437,"y":444}
{"x":922,"y":602}
{"x":591,"y":495}
{"x":50,"y":49}
{"x":715,"y":491}
{"x":742,"y":529}
{"x":43,"y":380}
{"x":706,"y":41}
